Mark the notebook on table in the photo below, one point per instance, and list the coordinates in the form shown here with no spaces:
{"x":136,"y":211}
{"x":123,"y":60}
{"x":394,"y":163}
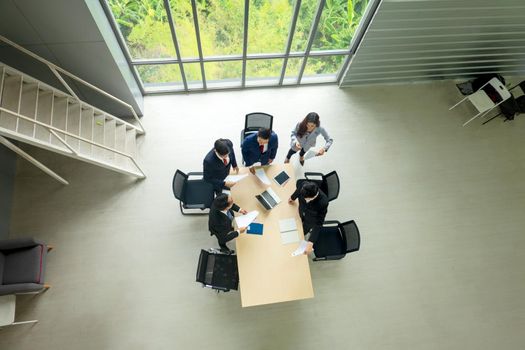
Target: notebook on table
{"x":288,"y":229}
{"x":268,"y":199}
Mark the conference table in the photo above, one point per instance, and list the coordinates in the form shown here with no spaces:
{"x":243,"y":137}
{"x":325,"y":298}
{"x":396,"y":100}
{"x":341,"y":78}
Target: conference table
{"x":268,"y":273}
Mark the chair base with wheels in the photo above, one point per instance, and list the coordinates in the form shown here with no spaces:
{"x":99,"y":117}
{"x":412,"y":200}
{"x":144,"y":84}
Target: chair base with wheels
{"x":336,"y":240}
{"x":217,"y":270}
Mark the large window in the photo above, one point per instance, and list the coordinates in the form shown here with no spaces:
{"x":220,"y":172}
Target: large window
{"x":187,"y":45}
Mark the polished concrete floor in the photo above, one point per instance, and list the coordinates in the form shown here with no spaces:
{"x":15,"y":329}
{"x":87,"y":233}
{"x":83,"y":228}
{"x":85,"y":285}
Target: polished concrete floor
{"x":440,"y":208}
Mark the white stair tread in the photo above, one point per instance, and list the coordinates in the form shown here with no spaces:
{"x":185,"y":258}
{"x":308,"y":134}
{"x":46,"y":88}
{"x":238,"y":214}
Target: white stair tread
{"x":86,"y":130}
{"x":28,"y":108}
{"x":44,"y":108}
{"x":73,"y":124}
{"x":59,"y":119}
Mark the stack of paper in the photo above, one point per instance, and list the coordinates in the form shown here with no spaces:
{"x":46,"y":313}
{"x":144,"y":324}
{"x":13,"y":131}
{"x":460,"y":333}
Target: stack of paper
{"x":289,"y":233}
{"x":301,"y":249}
{"x":310,"y":154}
{"x":235,"y":178}
{"x":261,"y":174}
{"x":245,"y":220}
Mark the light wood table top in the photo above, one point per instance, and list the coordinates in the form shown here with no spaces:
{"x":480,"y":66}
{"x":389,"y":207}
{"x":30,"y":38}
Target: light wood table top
{"x":267,"y":271}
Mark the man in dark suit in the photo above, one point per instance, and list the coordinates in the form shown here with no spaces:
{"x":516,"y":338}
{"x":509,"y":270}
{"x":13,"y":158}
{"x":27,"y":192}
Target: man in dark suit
{"x":217,"y":165}
{"x":220,"y":220}
{"x":313,"y":205}
{"x":260,"y":147}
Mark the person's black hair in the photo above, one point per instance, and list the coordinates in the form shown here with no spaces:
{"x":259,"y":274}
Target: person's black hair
{"x":309,"y":189}
{"x":264,"y":133}
{"x":311,"y":117}
{"x":221,"y":147}
{"x":221,"y":201}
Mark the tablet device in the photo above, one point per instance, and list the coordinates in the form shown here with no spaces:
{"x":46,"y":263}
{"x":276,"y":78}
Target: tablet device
{"x":282,"y":178}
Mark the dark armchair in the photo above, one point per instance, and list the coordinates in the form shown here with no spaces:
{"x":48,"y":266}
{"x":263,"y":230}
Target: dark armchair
{"x":336,"y":240}
{"x":22,"y":266}
{"x":192,"y":193}
{"x":217,"y":270}
{"x":254,"y":121}
{"x":328,"y":183}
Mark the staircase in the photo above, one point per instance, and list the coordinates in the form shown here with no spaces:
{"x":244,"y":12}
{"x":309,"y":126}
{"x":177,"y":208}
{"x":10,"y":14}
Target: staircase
{"x":43,"y":116}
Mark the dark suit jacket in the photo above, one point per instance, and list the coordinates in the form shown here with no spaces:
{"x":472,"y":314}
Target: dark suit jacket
{"x":220,"y":225}
{"x":312,"y":213}
{"x":214,"y":170}
{"x":251,"y":152}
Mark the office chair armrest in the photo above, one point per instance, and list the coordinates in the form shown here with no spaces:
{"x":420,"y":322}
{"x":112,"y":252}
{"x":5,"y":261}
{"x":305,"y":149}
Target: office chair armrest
{"x":196,"y":174}
{"x":307,"y":175}
{"x":16,"y":288}
{"x":331,"y":222}
{"x":17,"y":243}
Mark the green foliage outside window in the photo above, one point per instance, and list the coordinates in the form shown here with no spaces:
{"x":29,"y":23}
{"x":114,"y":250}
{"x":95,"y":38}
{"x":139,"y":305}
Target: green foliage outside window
{"x":145,"y":27}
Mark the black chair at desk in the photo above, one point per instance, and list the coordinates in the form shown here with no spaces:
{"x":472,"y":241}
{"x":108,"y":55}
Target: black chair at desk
{"x":254,"y":121}
{"x":328,"y":183}
{"x":192,"y":193}
{"x":336,"y":240}
{"x":217,"y":270}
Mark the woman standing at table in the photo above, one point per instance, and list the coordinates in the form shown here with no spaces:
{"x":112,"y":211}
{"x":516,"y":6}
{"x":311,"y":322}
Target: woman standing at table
{"x":304,"y":137}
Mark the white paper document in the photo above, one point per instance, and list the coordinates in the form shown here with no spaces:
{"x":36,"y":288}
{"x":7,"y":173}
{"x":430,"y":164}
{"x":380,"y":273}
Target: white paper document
{"x":261,"y":174}
{"x":235,"y":178}
{"x":289,"y":233}
{"x":310,"y":154}
{"x":301,"y":249}
{"x":245,"y":220}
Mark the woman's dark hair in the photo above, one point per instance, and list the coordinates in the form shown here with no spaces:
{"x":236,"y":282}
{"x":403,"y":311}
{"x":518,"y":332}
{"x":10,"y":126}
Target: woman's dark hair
{"x":221,"y":147}
{"x":221,"y":201}
{"x":309,"y":189}
{"x":311,"y":117}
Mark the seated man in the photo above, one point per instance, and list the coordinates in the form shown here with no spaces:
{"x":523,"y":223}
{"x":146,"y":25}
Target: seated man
{"x":220,"y":220}
{"x":313,"y":205}
{"x":217,"y":165}
{"x":260,"y":147}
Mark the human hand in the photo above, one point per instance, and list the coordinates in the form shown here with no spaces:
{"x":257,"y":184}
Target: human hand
{"x":243,"y":212}
{"x":270,"y":161}
{"x":236,"y":169}
{"x":229,"y":184}
{"x":242,"y":229}
{"x":309,"y":248}
{"x":298,"y":145}
{"x":291,"y":201}
{"x":252,"y":170}
{"x":321,"y":152}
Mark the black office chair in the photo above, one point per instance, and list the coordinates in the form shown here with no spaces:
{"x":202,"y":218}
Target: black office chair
{"x":217,"y":270}
{"x":254,"y":121}
{"x":336,"y":240}
{"x":192,"y":193}
{"x":328,"y":183}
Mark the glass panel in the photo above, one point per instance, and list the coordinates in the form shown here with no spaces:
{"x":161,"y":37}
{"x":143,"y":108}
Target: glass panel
{"x":144,"y":26}
{"x":325,"y":67}
{"x":338,"y":24}
{"x":221,"y":24}
{"x":263,"y":72}
{"x":193,"y":75}
{"x":184,"y":27}
{"x":223,"y":74}
{"x":304,"y":22}
{"x":292,"y":70}
{"x":269,"y":25}
{"x":161,"y":74}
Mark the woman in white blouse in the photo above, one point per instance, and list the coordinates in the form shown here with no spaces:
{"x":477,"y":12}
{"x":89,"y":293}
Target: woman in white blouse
{"x":304,"y":136}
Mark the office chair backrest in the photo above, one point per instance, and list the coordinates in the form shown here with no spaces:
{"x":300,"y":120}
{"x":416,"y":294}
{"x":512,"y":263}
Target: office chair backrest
{"x":179,"y":181}
{"x":256,"y":120}
{"x":351,"y":235}
{"x":332,"y":185}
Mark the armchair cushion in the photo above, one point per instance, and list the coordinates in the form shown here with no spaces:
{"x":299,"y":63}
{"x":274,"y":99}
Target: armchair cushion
{"x":329,"y":243}
{"x":17,"y":243}
{"x":20,"y":288}
{"x":24,"y":265}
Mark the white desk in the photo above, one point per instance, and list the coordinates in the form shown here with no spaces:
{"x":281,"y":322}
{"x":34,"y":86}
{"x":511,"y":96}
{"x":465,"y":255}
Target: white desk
{"x":7,"y":311}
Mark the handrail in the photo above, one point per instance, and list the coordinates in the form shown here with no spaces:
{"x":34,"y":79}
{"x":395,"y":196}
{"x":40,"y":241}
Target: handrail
{"x":55,"y":69}
{"x":53,"y":131}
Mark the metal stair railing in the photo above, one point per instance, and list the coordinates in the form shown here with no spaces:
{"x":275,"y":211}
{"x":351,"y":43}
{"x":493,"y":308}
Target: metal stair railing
{"x":56,"y":70}
{"x":53,"y":130}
